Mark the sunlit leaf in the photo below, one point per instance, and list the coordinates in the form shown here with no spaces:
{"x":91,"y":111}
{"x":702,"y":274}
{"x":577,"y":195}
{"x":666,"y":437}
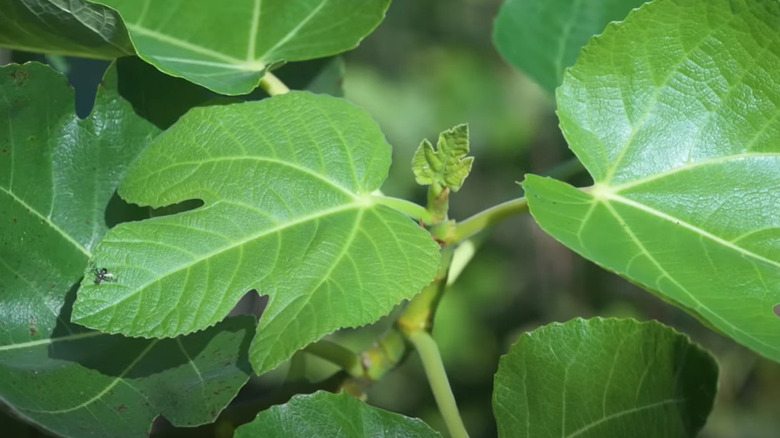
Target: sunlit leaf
{"x":227,"y":47}
{"x":604,"y":378}
{"x":63,"y":27}
{"x":57,"y":174}
{"x":288,"y":212}
{"x":675,"y":114}
{"x":332,"y":415}
{"x":544,"y":37}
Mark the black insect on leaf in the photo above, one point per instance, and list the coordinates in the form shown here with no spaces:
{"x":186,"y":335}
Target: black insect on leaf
{"x":102,"y":275}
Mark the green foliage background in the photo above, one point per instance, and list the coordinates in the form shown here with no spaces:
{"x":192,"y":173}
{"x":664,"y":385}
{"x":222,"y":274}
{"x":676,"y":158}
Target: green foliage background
{"x":430,"y":66}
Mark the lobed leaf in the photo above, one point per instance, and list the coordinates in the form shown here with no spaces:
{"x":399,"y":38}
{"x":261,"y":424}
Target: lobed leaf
{"x":449,"y":165}
{"x":63,"y":27}
{"x":675,"y":114}
{"x":332,"y":415}
{"x":286,"y":184}
{"x":228,"y":47}
{"x":57,"y":176}
{"x":604,"y":378}
{"x":544,"y":37}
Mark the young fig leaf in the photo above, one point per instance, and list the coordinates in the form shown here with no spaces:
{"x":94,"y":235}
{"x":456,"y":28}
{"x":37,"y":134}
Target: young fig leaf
{"x":449,"y":165}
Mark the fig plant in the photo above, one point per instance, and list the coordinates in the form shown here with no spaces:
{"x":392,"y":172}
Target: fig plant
{"x":114,"y":315}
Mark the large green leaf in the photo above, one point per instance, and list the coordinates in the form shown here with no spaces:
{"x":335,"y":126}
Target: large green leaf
{"x":544,"y":37}
{"x":604,"y":378}
{"x":227,"y":47}
{"x":57,"y":174}
{"x":63,"y":27}
{"x":332,"y":415}
{"x":675,"y":114}
{"x":288,"y":212}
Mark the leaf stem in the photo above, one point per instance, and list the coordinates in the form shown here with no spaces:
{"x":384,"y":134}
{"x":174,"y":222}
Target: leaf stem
{"x":415,"y":211}
{"x":338,"y":355}
{"x":434,"y":370}
{"x":273,"y":85}
{"x":419,"y":313}
{"x":486,"y":218}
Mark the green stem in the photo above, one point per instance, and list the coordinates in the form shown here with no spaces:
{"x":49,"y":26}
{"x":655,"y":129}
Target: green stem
{"x":419,"y":313}
{"x":415,"y":211}
{"x":385,"y":355}
{"x":273,"y":85}
{"x":486,"y":218}
{"x":339,"y":355}
{"x":434,"y":370}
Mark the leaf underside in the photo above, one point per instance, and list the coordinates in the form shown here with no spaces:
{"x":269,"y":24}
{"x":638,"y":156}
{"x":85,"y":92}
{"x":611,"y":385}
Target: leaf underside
{"x":675,"y":114}
{"x":228,"y":47}
{"x":604,"y":378}
{"x":63,"y":27}
{"x":543,"y":38}
{"x":286,"y":184}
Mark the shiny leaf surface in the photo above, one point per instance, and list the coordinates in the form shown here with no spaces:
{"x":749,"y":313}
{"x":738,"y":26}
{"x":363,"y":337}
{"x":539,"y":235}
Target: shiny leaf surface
{"x":674,"y":113}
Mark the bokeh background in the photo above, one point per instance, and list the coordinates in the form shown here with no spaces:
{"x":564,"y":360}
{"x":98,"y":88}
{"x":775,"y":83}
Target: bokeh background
{"x":430,"y":66}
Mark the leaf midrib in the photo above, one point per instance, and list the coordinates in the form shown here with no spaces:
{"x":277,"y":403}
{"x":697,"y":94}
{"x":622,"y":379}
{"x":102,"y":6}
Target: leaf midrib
{"x":623,"y":413}
{"x":669,"y":218}
{"x":280,"y":162}
{"x":690,"y":166}
{"x":692,"y":296}
{"x":292,"y":33}
{"x":49,"y":222}
{"x":105,"y":390}
{"x":320,"y":214}
{"x":252,"y":63}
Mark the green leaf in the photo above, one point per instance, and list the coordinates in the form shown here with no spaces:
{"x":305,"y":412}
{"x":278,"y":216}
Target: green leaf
{"x":57,"y":174}
{"x":449,"y":165}
{"x":114,"y":386}
{"x":63,"y":27}
{"x":674,"y":113}
{"x":286,"y":184}
{"x":543,"y":38}
{"x":162,"y":99}
{"x":332,"y":415}
{"x":604,"y":378}
{"x":229,"y":48}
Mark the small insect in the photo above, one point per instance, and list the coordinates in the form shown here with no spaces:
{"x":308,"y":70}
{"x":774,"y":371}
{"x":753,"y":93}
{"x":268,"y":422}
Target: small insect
{"x":102,"y":275}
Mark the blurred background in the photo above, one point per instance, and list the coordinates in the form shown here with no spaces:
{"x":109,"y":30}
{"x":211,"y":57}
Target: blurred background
{"x":430,"y":66}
